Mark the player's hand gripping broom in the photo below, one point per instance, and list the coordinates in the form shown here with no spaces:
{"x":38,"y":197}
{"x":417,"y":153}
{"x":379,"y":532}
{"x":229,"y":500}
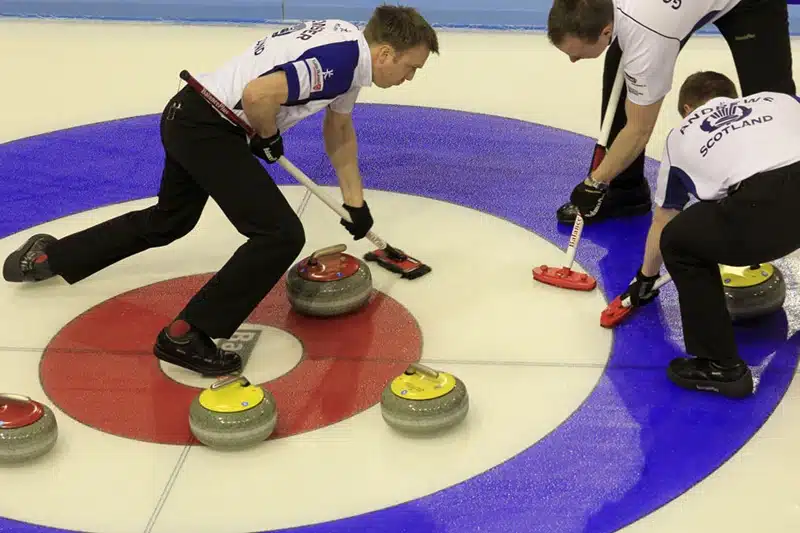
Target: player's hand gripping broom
{"x":619,"y":309}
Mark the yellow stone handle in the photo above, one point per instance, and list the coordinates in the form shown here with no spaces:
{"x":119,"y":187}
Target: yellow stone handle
{"x":230,"y":380}
{"x":422,"y":369}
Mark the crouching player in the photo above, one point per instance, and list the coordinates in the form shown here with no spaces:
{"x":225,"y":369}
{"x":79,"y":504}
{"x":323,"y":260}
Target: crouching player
{"x":740,"y":157}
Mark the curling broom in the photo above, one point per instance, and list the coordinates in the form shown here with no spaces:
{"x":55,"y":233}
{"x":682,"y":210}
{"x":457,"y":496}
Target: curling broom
{"x":619,"y":309}
{"x":386,"y":256}
{"x":564,"y":277}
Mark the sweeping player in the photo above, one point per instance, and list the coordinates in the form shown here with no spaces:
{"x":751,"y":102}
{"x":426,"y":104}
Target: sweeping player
{"x":741,"y":158}
{"x":276,"y":82}
{"x":647,"y":36}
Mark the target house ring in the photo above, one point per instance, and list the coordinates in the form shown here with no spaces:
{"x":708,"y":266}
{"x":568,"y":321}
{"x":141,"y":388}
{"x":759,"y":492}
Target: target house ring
{"x":100,"y":370}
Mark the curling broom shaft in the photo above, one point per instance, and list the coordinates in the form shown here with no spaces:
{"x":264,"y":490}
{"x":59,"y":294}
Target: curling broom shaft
{"x":611,"y":108}
{"x":572,"y":248}
{"x":300,"y":176}
{"x":219,"y":106}
{"x":605,"y":131}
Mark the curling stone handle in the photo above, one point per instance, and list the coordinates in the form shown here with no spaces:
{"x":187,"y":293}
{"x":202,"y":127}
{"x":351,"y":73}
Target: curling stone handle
{"x":422,"y":369}
{"x":329,"y":250}
{"x":228,"y":381}
{"x":12,"y":396}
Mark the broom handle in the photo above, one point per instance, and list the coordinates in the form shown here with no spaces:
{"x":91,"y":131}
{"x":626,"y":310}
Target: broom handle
{"x":611,"y":108}
{"x":314,"y":188}
{"x":605,"y":131}
{"x":282,"y":161}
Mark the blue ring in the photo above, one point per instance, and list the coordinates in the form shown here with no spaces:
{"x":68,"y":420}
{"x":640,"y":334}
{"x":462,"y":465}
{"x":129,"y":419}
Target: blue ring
{"x":633,"y":445}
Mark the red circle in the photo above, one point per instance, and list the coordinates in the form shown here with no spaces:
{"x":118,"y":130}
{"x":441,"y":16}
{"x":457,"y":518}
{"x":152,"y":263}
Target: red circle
{"x":16,"y":413}
{"x":328,"y":267}
{"x":100,"y":368}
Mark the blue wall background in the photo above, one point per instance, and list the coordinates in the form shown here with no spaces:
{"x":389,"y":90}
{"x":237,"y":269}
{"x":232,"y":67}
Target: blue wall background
{"x":495,"y":14}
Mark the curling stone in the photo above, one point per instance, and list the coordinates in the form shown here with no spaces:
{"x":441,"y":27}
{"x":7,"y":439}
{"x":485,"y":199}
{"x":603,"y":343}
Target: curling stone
{"x":422,"y":400}
{"x":28,"y":429}
{"x":233,"y":414}
{"x":754,"y":291}
{"x":329,"y":283}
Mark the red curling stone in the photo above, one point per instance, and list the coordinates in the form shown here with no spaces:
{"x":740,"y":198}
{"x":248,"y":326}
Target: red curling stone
{"x":329,"y":283}
{"x":28,"y":429}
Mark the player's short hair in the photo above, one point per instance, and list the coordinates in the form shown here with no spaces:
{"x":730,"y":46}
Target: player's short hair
{"x":400,"y":27}
{"x":702,"y":86}
{"x":583,"y":19}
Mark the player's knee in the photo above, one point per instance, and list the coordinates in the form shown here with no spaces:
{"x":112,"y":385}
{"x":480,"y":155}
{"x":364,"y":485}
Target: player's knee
{"x":295,"y":235}
{"x":167,"y":228}
{"x":671,"y":239}
{"x":287,"y":235}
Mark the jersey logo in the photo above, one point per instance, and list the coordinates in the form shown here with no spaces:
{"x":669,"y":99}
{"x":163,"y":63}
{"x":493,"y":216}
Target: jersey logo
{"x":723,"y":115}
{"x":290,"y":29}
{"x":727,"y":118}
{"x":316,"y":76}
{"x":316,"y":27}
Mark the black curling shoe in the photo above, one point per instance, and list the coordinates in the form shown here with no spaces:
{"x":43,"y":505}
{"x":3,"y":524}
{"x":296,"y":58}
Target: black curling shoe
{"x":734,"y":381}
{"x":29,"y":261}
{"x":195,"y":351}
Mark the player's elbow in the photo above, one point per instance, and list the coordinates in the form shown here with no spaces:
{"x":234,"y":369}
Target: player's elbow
{"x":338,"y":124}
{"x":641,"y":119}
{"x":662,"y":215}
{"x":642,"y":128}
{"x":267,"y":90}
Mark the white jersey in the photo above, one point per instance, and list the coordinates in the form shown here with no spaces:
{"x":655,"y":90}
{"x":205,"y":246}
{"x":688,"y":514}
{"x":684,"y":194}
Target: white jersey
{"x":326,"y":63}
{"x":651,"y":34}
{"x":726,"y":141}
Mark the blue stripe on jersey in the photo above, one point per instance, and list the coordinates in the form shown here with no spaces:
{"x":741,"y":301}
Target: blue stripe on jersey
{"x":679,"y":185}
{"x":796,"y":97}
{"x":329,"y":70}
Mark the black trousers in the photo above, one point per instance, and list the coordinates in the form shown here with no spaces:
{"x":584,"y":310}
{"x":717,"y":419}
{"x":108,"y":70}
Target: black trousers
{"x":757,"y":33}
{"x":755,"y":224}
{"x":206,"y":156}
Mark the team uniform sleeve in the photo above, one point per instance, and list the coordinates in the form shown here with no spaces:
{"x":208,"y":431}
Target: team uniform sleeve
{"x":345,"y":103}
{"x":649,"y":63}
{"x":671,"y":189}
{"x":321,"y":73}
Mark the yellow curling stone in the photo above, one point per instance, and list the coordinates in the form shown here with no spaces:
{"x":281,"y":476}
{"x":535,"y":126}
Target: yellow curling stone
{"x":752,"y":291}
{"x":28,"y":429}
{"x":423,"y":400}
{"x":233,"y":414}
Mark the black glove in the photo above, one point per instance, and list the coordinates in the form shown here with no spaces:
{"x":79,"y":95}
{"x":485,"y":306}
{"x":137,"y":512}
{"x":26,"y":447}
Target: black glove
{"x":587,"y":198}
{"x":362,"y":221}
{"x":641,"y":290}
{"x":269,"y":149}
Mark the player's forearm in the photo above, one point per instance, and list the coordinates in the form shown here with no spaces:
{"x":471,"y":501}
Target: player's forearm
{"x":262,"y":114}
{"x":624,"y":150}
{"x":261,"y":102}
{"x":651,"y":264}
{"x":342,"y":149}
